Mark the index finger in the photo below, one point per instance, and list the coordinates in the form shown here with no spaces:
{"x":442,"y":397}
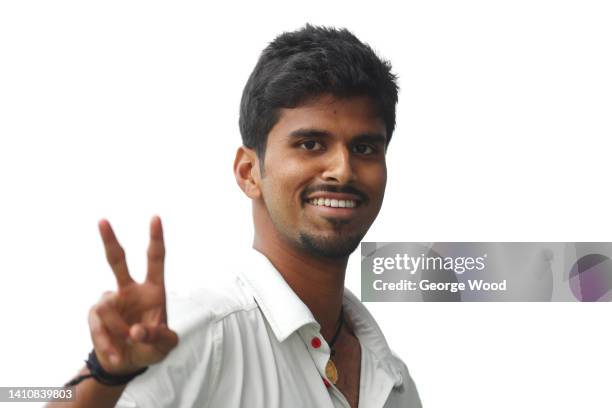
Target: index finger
{"x":115,"y":255}
{"x":156,"y":252}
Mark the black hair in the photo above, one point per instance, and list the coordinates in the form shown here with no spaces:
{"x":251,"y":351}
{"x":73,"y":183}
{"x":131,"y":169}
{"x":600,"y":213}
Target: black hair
{"x":303,"y":64}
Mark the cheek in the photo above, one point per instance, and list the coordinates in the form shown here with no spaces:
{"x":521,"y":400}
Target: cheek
{"x":290,"y":177}
{"x":376,"y":180}
{"x":280,"y":195}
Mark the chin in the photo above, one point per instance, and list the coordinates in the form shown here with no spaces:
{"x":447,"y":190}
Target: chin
{"x":330,"y":247}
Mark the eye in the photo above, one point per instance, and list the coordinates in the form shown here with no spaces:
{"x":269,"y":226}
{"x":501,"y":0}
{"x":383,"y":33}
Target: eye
{"x":311,"y":145}
{"x":363,"y":149}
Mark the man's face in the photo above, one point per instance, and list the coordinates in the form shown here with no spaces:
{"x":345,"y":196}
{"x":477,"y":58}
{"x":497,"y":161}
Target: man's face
{"x":325,"y":174}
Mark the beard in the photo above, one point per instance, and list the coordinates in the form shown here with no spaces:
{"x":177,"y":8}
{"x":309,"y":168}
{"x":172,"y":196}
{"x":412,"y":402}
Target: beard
{"x":340,"y":242}
{"x":339,"y":246}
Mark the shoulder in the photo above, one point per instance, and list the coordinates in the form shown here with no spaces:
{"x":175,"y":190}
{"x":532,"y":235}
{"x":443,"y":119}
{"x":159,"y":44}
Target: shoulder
{"x":206,"y":306}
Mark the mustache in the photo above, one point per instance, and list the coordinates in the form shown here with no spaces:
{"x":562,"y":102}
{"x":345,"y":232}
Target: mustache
{"x":348,"y":189}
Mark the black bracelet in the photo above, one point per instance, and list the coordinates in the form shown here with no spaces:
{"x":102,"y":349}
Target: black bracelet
{"x":103,"y":377}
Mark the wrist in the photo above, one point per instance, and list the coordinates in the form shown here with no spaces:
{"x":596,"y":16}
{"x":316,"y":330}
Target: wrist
{"x":98,"y":373}
{"x":104,"y":377}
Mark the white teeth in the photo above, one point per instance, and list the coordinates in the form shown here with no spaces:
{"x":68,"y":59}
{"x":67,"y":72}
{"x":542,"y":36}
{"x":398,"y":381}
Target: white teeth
{"x":332,"y":202}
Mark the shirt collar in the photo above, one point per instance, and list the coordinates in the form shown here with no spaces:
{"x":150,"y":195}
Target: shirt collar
{"x":283,"y":309}
{"x":286,"y":313}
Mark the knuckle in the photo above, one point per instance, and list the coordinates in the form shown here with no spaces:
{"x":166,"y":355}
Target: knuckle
{"x":106,"y":295}
{"x":107,"y":300}
{"x":156,"y":253}
{"x":95,"y":309}
{"x":102,"y":308}
{"x":117,"y":256}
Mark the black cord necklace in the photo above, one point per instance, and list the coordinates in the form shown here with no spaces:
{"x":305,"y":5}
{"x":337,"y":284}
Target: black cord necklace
{"x":333,"y":340}
{"x":331,"y":372}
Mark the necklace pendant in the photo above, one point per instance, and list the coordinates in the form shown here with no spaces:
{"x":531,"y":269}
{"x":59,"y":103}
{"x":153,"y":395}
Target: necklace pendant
{"x":331,"y":372}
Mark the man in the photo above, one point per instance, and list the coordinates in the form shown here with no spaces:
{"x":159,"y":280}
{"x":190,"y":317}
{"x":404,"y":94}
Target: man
{"x":316,"y":117}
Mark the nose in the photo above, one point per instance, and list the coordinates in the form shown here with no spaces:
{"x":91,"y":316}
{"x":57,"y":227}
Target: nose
{"x":338,"y":167}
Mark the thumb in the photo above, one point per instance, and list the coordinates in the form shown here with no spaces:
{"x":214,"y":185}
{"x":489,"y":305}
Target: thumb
{"x":159,"y":336}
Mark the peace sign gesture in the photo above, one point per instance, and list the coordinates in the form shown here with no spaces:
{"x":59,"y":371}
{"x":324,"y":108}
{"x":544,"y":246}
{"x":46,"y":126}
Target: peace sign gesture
{"x":129,"y":327}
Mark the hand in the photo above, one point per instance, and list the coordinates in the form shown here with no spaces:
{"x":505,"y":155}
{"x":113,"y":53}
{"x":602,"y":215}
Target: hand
{"x":129,"y":327}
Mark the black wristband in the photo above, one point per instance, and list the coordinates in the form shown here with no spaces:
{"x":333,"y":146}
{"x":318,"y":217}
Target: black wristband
{"x":103,"y":377}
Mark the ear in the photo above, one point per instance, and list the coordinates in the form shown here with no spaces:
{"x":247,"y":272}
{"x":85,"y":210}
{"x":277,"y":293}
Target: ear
{"x":246,"y":171}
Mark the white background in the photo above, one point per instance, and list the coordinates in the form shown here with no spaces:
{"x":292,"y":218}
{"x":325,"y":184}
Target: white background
{"x":123,"y":110}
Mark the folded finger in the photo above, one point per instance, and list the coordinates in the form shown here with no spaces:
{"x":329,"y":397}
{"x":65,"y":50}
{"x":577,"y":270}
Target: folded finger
{"x":112,"y":320}
{"x":101,"y":338}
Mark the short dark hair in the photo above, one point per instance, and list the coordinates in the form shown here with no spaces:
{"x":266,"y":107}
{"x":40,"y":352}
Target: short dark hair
{"x":303,"y":64}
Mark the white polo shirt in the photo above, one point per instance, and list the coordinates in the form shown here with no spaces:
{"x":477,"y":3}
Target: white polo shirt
{"x":250,"y":344}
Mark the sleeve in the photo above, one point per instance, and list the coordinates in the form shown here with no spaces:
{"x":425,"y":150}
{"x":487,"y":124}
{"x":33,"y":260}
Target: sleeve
{"x":407,"y":395}
{"x":187,"y":376}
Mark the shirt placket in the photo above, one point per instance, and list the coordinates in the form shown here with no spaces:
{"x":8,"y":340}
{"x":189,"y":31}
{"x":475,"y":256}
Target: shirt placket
{"x":320,"y":352}
{"x":376,"y":380}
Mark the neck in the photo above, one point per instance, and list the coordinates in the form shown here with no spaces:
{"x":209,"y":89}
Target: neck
{"x":318,"y":282}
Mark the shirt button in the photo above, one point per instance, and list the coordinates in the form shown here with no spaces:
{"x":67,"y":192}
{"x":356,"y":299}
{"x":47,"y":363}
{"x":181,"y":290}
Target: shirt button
{"x":315,"y":342}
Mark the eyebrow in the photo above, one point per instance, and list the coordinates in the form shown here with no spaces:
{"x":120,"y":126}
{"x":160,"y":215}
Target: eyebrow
{"x":318,"y":133}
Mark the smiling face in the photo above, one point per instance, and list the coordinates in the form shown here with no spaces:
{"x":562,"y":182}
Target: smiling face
{"x":324,"y":175}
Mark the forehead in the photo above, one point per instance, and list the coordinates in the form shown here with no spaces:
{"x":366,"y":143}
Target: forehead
{"x":342,"y":117}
